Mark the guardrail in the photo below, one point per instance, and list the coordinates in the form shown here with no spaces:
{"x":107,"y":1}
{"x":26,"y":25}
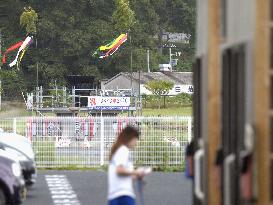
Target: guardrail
{"x":86,"y":141}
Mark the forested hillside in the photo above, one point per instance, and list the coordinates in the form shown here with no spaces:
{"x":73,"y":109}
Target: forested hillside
{"x":69,"y":31}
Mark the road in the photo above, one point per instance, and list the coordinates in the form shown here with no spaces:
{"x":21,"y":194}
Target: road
{"x":90,"y":188}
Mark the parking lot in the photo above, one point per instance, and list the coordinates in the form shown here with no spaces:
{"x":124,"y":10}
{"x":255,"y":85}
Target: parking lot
{"x":90,"y":188}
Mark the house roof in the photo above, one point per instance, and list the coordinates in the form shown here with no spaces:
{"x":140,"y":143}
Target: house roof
{"x":175,"y":77}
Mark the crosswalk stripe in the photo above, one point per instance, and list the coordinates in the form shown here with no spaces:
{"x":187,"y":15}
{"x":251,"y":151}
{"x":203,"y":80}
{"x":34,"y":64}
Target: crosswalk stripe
{"x":61,"y":190}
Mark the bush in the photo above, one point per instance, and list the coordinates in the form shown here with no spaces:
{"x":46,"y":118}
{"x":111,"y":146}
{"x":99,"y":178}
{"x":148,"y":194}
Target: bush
{"x":12,"y":85}
{"x":184,"y":98}
{"x":151,"y":101}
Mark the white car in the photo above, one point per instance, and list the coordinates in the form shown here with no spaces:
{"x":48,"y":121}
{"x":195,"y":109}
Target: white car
{"x":20,"y":146}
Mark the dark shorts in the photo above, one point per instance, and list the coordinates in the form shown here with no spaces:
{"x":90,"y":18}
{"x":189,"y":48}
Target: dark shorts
{"x":122,"y":200}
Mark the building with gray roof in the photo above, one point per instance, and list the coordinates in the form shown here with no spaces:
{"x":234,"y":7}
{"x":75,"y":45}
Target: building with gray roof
{"x":135,"y":81}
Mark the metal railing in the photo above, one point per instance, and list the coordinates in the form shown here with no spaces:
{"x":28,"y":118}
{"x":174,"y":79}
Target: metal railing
{"x":86,"y":141}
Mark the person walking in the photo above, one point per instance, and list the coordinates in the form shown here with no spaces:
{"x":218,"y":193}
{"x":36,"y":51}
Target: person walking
{"x":121,"y":171}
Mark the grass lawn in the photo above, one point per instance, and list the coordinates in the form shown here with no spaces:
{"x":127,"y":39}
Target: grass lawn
{"x":13,"y":109}
{"x":175,"y":111}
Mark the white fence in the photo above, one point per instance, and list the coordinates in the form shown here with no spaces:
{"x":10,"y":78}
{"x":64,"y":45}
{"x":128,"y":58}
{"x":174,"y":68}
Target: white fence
{"x":86,"y":142}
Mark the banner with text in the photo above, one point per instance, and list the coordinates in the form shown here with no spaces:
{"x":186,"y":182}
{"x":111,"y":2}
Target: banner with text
{"x":108,"y":103}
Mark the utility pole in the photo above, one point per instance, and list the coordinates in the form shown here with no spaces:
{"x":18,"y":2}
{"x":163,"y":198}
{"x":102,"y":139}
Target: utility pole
{"x":139,"y":94}
{"x":170,"y":49}
{"x":148,"y":60}
{"x":37,"y":66}
{"x":37,"y":74}
{"x":171,"y":59}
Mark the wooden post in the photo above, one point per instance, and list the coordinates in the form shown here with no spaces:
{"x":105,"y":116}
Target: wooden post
{"x":214,"y":97}
{"x":262,"y":99}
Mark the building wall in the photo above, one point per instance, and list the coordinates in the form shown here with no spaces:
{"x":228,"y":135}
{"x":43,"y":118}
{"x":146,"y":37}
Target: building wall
{"x":122,"y":82}
{"x":202,"y":25}
{"x":240,"y":21}
{"x":202,"y":53}
{"x":241,"y":30}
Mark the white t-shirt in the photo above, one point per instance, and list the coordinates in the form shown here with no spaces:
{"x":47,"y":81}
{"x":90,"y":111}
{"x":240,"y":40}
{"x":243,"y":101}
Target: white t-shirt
{"x":120,"y":185}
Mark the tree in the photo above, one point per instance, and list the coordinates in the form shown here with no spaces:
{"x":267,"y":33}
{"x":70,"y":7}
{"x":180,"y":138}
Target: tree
{"x":69,"y":31}
{"x":28,"y":19}
{"x":12,"y":84}
{"x":123,"y":16}
{"x":183,"y":17}
{"x":171,"y":16}
{"x":159,"y":88}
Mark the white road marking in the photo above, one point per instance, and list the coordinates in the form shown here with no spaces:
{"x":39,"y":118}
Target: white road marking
{"x":61,"y":190}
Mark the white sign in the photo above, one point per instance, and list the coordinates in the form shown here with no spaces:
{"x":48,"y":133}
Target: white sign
{"x":177,"y":89}
{"x":108,"y":103}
